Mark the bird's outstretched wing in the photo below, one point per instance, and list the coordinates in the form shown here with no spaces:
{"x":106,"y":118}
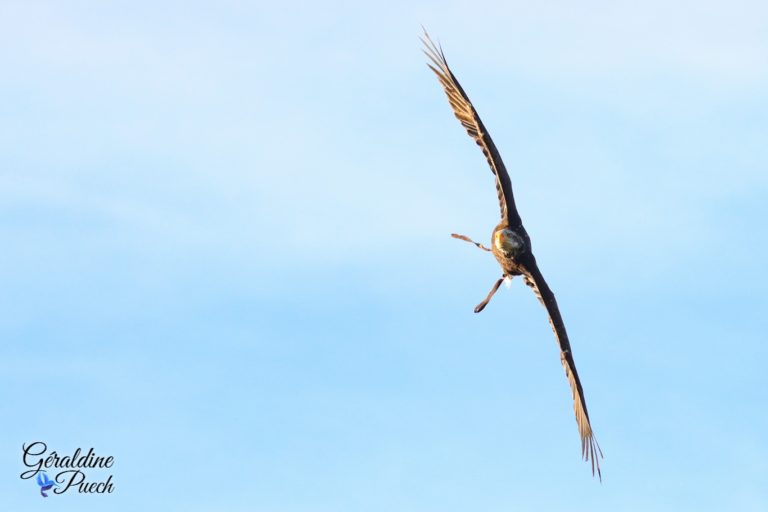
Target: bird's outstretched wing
{"x":590,"y":450}
{"x":467,"y":114}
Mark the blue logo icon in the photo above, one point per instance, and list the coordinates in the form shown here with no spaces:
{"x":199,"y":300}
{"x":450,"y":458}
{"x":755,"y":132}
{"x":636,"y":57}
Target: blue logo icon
{"x":45,"y":483}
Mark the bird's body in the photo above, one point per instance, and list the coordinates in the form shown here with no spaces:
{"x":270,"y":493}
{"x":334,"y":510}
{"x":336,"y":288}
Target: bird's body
{"x":510,"y":248}
{"x":510,"y":243}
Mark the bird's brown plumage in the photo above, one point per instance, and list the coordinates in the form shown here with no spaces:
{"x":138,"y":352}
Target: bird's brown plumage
{"x":469,"y":119}
{"x":589,"y":447}
{"x":524,"y":263}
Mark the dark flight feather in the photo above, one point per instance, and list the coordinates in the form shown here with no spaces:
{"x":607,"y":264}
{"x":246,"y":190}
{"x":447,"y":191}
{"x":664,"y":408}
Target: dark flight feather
{"x":589,"y":447}
{"x":469,"y":119}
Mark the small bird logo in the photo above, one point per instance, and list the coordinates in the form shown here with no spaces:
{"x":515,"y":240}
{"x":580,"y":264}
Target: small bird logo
{"x":45,"y":483}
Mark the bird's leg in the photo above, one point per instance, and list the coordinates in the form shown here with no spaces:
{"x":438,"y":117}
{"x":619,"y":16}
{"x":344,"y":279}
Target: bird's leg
{"x":467,"y":239}
{"x":485,"y":302}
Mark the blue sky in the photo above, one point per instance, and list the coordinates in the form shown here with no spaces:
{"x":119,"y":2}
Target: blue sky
{"x":226,"y":257}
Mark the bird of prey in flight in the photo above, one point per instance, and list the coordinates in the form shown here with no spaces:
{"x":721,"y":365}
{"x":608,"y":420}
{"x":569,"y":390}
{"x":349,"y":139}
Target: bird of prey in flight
{"x":510,"y":243}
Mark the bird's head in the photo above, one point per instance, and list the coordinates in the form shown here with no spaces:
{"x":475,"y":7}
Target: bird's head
{"x":508,"y":242}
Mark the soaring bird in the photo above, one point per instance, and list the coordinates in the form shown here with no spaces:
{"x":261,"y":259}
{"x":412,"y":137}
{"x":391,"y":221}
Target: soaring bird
{"x":511,"y":245}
